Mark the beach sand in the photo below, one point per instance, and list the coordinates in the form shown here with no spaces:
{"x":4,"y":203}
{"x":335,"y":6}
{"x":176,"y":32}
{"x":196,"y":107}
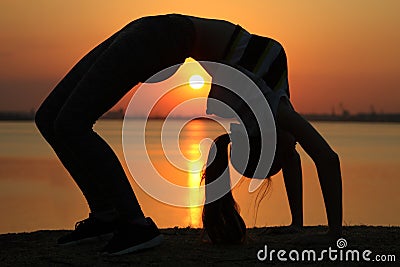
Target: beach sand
{"x":183,"y":247}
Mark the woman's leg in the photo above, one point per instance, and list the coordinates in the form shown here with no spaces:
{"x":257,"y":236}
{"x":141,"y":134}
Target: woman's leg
{"x":325,"y":159}
{"x":121,"y":66}
{"x":91,"y":88}
{"x":47,"y":114}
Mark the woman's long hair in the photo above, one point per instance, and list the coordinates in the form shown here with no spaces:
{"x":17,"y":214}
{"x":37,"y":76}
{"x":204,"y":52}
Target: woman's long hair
{"x":221,"y":218}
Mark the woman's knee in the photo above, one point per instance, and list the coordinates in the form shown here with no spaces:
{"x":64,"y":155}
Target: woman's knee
{"x":69,"y":129}
{"x":44,"y":120}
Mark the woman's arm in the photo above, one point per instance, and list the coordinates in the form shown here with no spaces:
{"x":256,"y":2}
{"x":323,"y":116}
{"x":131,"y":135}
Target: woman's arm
{"x":325,"y":159}
{"x":292,"y":176}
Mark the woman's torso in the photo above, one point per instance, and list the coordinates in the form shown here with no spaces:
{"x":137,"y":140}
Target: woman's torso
{"x":212,"y":38}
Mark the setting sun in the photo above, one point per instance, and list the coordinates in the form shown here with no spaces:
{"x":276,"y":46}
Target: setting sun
{"x":196,"y":81}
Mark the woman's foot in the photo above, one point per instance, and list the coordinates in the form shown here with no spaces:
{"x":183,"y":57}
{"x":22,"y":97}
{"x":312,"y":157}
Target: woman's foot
{"x":131,"y":237}
{"x":88,"y":230}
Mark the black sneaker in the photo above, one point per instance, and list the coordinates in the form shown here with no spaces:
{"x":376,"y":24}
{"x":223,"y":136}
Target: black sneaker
{"x":133,"y":237}
{"x":90,"y":229}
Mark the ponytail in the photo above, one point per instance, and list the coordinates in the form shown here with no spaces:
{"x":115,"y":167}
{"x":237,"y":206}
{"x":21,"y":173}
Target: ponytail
{"x":221,"y":218}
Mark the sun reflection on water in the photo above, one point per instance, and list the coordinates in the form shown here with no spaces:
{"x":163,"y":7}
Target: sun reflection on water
{"x":196,"y":138}
{"x":195,"y":165}
{"x":196,"y":194}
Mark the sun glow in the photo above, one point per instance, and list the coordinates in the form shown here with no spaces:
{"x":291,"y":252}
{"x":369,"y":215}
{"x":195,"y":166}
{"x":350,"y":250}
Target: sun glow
{"x":196,"y":81}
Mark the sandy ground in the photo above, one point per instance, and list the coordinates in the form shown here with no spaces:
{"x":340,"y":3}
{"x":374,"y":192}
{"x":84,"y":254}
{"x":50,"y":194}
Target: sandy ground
{"x":183,"y":247}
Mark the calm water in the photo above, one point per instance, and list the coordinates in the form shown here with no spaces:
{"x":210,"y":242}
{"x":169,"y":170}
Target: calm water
{"x":37,"y":193}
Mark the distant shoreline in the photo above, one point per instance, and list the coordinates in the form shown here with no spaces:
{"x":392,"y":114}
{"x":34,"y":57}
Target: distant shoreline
{"x":345,"y":117}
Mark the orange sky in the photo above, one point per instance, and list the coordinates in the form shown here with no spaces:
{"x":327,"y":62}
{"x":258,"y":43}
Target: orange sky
{"x":338,"y":51}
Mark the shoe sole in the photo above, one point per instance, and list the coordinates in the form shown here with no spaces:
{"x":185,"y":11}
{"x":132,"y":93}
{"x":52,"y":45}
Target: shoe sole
{"x":104,"y":237}
{"x":146,"y":245}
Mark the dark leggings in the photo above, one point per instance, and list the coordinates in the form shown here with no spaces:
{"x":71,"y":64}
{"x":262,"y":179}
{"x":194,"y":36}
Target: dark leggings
{"x":94,"y":85}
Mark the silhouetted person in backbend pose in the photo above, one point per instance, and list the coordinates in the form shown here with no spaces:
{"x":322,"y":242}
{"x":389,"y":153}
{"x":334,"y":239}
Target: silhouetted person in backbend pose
{"x":130,"y":56}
